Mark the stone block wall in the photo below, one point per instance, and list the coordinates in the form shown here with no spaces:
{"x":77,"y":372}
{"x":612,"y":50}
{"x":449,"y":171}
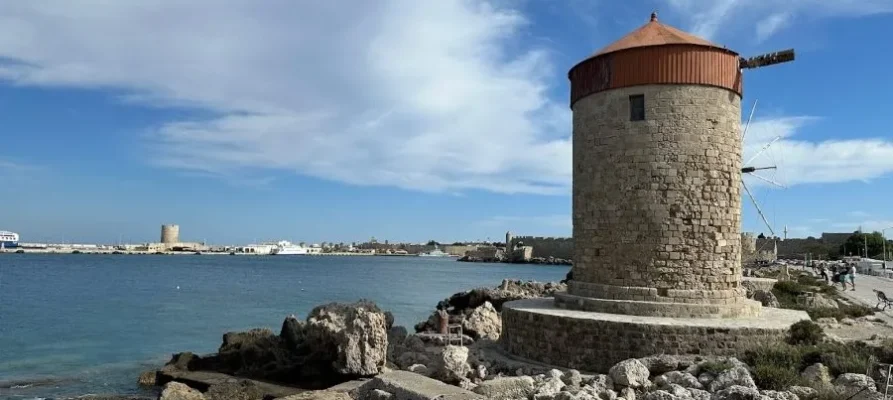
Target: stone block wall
{"x":656,"y":203}
{"x":594,"y":345}
{"x":546,"y":247}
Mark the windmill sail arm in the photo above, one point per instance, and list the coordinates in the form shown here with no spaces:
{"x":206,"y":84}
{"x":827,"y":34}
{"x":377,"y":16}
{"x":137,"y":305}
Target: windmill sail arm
{"x":757,"y":206}
{"x":763,"y":149}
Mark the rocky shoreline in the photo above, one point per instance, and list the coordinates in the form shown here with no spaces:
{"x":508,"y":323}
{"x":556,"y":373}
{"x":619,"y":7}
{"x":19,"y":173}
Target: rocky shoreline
{"x":354,"y":351}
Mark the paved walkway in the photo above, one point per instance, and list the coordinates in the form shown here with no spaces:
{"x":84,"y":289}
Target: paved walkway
{"x":865,"y":284}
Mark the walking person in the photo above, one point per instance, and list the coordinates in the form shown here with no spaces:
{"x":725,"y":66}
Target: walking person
{"x":824,"y":274}
{"x":852,"y":278}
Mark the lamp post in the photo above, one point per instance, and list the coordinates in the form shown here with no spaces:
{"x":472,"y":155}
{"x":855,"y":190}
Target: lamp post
{"x":884,"y":241}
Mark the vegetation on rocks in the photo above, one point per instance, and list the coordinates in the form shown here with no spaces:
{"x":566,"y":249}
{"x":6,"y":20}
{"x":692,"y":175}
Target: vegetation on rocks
{"x":779,"y":367}
{"x":790,"y":292}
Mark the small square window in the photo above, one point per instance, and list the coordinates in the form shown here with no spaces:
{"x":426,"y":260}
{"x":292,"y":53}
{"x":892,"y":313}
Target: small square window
{"x":637,"y":107}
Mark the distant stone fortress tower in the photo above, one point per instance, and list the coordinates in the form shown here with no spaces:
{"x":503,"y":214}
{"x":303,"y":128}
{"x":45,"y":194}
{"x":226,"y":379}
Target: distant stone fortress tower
{"x":508,"y":241}
{"x":170,"y":234}
{"x":656,"y":211}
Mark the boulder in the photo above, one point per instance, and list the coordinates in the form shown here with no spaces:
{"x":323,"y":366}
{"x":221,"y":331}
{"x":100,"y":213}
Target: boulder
{"x":410,"y":386}
{"x":452,"y":365}
{"x":484,"y":322}
{"x":318,"y":395}
{"x":179,"y":391}
{"x":821,"y":301}
{"x":185,"y":361}
{"x":292,"y":332}
{"x":680,"y":378}
{"x":817,"y":374}
{"x":736,"y":392}
{"x":630,"y":373}
{"x":243,"y":390}
{"x":766,"y":298}
{"x":551,"y":387}
{"x":257,"y":353}
{"x":776,"y":395}
{"x":379,"y":394}
{"x":461,"y":304}
{"x":736,"y":376}
{"x":803,"y":392}
{"x":572,"y":378}
{"x":853,"y":383}
{"x":659,"y":364}
{"x":698,"y":394}
{"x":353,"y":336}
{"x":148,"y":378}
{"x":507,"y":388}
{"x":628,"y":394}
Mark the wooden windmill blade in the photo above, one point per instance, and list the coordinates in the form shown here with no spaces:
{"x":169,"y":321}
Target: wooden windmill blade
{"x":765,"y":60}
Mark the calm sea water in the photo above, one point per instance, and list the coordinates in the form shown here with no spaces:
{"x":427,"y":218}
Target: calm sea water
{"x":91,"y":323}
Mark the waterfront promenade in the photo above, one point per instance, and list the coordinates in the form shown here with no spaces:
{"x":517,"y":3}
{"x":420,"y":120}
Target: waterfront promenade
{"x":864,"y":293}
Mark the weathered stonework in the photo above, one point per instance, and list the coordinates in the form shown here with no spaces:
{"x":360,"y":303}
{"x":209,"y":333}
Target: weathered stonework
{"x":537,"y":330}
{"x":657,"y":202}
{"x":656,"y":213}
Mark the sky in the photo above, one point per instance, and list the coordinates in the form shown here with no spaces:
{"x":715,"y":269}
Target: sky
{"x":405,"y":120}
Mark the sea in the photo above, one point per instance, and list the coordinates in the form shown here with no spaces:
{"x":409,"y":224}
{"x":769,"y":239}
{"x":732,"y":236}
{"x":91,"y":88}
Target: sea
{"x":79,"y":324}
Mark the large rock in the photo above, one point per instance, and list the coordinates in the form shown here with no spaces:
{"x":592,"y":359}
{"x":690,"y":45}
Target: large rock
{"x":452,"y":365}
{"x":508,"y":388}
{"x":817,"y":374}
{"x":460,"y":304}
{"x":680,"y":378}
{"x":737,"y":376}
{"x":776,"y":395}
{"x":736,"y":392}
{"x":766,"y":298}
{"x":243,"y":390}
{"x":630,"y":373}
{"x":408,"y":386}
{"x":354,"y":336}
{"x":318,"y":395}
{"x":803,"y":392}
{"x":257,"y":353}
{"x":821,"y":301}
{"x":179,"y":391}
{"x":851,"y":384}
{"x":484,"y":322}
{"x":659,"y":364}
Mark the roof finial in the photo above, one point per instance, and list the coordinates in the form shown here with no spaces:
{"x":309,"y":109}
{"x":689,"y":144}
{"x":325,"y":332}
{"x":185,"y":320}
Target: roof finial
{"x":654,"y":16}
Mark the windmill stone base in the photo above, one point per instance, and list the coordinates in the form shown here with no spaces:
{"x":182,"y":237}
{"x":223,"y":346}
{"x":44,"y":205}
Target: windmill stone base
{"x":541,"y":331}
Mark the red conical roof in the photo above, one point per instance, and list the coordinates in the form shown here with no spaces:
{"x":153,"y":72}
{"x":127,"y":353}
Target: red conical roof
{"x":654,"y":33}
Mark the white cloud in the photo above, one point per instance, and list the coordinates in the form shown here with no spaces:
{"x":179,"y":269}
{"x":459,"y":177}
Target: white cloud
{"x":771,"y":24}
{"x":706,"y":17}
{"x":433,"y":95}
{"x":858,"y":214}
{"x":801,"y":161}
{"x":419,"y":95}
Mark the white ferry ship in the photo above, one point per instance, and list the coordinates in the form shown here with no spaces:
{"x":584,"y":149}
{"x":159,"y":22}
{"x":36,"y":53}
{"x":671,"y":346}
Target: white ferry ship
{"x":9,"y":240}
{"x":287,"y":248}
{"x":435,"y":253}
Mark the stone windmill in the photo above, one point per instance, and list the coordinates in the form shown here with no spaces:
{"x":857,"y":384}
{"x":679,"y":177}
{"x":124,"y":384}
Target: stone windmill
{"x":657,"y":172}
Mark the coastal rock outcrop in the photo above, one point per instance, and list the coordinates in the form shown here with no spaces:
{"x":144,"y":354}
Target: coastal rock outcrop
{"x":461,"y":306}
{"x":179,"y":391}
{"x":354,"y":336}
{"x":336,"y":343}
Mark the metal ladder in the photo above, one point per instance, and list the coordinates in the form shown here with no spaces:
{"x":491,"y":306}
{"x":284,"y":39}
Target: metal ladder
{"x":455,"y":329}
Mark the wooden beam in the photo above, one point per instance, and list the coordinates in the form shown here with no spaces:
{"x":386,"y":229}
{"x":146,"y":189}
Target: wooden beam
{"x":768,"y":59}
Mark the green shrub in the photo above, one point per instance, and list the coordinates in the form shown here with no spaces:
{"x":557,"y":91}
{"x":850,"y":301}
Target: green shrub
{"x":715,"y":367}
{"x":856,"y":310}
{"x":805,"y":332}
{"x":774,"y":367}
{"x":775,"y":377}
